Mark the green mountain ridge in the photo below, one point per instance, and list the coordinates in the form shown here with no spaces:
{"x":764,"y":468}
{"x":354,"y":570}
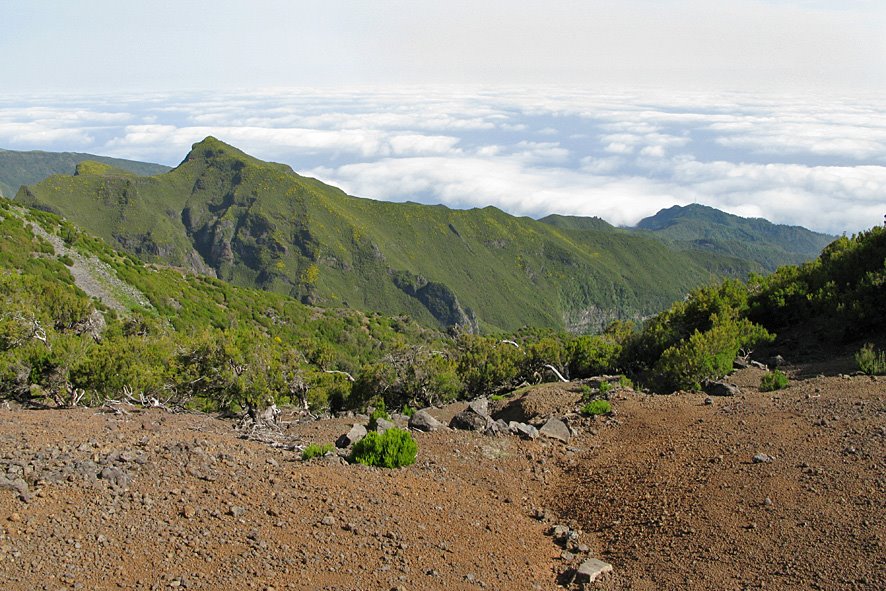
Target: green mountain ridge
{"x":703,"y":228}
{"x":19,"y":168}
{"x":259,"y":224}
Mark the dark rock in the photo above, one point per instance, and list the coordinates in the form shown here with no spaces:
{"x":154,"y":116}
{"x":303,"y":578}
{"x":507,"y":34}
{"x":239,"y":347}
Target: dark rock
{"x":470,"y":421}
{"x":720,"y":388}
{"x":499,"y":427}
{"x":423,"y":421}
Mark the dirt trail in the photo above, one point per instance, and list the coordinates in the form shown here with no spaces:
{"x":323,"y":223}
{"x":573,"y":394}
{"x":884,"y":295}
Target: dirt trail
{"x":668,"y":493}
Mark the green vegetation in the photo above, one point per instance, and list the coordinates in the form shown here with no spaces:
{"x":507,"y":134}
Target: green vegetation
{"x":378,"y":413}
{"x":775,"y":380}
{"x":26,"y":168}
{"x":315,"y":450}
{"x":871,"y":361}
{"x":625,"y":382}
{"x":597,"y":407}
{"x":146,"y":332}
{"x":258,"y":224}
{"x":699,"y":228}
{"x":407,"y":411}
{"x":605,"y":387}
{"x":394,"y":448}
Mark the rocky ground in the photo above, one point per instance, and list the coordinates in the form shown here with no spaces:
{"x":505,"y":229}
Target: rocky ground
{"x":667,"y":491}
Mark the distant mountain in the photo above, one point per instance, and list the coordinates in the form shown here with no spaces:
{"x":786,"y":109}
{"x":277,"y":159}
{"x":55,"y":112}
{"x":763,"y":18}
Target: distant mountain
{"x":702,"y":228}
{"x":260,"y":224}
{"x":26,"y":168}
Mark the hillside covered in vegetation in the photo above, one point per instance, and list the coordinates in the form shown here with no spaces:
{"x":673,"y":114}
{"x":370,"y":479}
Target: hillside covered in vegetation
{"x":258,"y":224}
{"x":81,"y":322}
{"x":19,"y":168}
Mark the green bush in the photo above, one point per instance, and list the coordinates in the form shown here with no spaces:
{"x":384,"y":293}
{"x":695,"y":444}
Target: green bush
{"x":392,"y":449}
{"x":625,"y":382}
{"x":596,"y":407}
{"x":315,"y":450}
{"x":407,"y":411}
{"x":773,"y":381}
{"x":871,"y":361}
{"x":605,"y":387}
{"x":379,"y":413}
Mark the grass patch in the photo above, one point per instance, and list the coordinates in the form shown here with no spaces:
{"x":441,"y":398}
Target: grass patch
{"x":596,"y":407}
{"x":775,"y":380}
{"x":316,"y":450}
{"x":871,"y":361}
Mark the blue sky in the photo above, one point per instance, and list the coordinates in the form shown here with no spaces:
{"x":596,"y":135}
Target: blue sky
{"x":617,"y":109}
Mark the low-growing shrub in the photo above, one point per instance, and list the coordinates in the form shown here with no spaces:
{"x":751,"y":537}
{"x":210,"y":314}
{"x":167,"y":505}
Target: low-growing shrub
{"x":597,"y":407}
{"x":625,"y":382}
{"x":496,"y":397}
{"x":407,"y":411}
{"x":378,"y":413}
{"x":605,"y":387}
{"x":316,"y":450}
{"x":871,"y":361}
{"x":775,"y":380}
{"x":392,"y":449}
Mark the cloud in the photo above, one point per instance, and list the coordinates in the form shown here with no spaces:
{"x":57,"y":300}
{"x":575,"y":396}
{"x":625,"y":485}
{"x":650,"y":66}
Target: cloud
{"x":618,"y":154}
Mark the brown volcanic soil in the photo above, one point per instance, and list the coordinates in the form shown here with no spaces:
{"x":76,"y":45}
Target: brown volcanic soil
{"x":667,"y":492}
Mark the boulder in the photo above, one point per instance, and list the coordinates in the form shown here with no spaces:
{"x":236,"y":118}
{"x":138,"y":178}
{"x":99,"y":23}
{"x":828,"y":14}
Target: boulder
{"x":720,"y":388}
{"x":382,"y":425}
{"x":356,"y":433}
{"x":423,"y":421}
{"x":468,"y":420}
{"x":590,"y":569}
{"x":555,"y":429}
{"x":499,"y":427}
{"x":523,"y":430}
{"x":479,"y":406}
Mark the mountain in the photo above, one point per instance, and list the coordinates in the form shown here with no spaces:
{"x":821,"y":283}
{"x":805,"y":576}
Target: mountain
{"x":701,"y":228}
{"x":26,"y":168}
{"x":259,"y":224}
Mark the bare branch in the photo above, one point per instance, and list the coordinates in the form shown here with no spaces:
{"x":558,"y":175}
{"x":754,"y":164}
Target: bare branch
{"x":554,"y":369}
{"x":344,"y":373}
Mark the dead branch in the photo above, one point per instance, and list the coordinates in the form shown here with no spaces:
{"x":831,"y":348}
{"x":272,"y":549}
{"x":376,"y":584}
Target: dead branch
{"x":554,"y":369}
{"x":344,"y":373}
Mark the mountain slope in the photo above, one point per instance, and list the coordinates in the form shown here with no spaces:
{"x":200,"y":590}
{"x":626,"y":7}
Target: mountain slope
{"x":698,"y":227}
{"x":25,"y":168}
{"x":260,"y":224}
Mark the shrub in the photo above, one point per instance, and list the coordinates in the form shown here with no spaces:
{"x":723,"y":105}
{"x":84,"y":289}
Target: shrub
{"x":625,"y":382}
{"x":773,"y":381}
{"x":870,"y":361}
{"x":593,"y":355}
{"x":392,"y":449}
{"x":407,"y":411}
{"x":379,"y":413}
{"x":605,"y":387}
{"x":597,"y":407}
{"x":315,"y":450}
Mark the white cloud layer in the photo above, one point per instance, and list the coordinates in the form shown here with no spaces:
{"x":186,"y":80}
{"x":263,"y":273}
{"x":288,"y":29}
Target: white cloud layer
{"x":818,"y":162}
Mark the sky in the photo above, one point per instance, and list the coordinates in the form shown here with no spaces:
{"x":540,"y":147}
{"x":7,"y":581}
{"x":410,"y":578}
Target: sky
{"x":765,"y":108}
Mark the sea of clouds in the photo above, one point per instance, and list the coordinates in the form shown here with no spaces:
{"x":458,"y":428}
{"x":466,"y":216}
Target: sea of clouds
{"x":815,"y":161}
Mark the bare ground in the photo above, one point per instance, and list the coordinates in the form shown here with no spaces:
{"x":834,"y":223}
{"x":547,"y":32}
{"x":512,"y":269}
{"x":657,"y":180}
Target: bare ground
{"x":667,"y":492}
